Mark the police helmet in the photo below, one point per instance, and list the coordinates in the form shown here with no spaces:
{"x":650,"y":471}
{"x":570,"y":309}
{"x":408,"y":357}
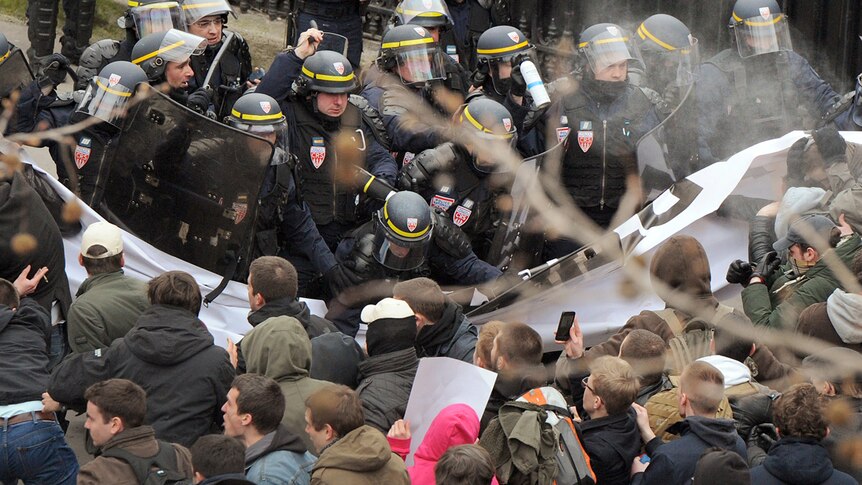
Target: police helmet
{"x":413,"y":53}
{"x":259,"y":115}
{"x":325,"y":72}
{"x":501,"y":44}
{"x":759,"y":27}
{"x":149,"y":16}
{"x":5,"y":48}
{"x":669,"y":50}
{"x":402,"y":231}
{"x":490,"y":122}
{"x":198,"y":9}
{"x":154,"y":51}
{"x":603,"y":45}
{"x":426,"y":13}
{"x":108,"y":94}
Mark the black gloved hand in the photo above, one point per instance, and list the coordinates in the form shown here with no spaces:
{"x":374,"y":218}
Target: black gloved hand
{"x":768,"y":264}
{"x":199,"y":101}
{"x":339,"y":278}
{"x":753,"y":410}
{"x":518,"y":86}
{"x":739,"y":272}
{"x":763,"y":436}
{"x":53,"y":69}
{"x":830,"y":143}
{"x":480,"y":75}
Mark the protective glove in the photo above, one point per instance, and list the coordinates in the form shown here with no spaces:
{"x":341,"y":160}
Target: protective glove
{"x":763,"y":436}
{"x":518,"y":86}
{"x":739,"y":272}
{"x":830,"y":143}
{"x":340,"y":277}
{"x":53,"y":70}
{"x":480,"y":75}
{"x":768,"y":264}
{"x":199,"y":101}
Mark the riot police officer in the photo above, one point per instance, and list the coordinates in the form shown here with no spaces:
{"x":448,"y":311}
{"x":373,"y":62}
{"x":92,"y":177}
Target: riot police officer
{"x":166,"y":58}
{"x":758,"y":89}
{"x":330,"y":135}
{"x":413,"y":61}
{"x":142,"y":18}
{"x":207,"y":19}
{"x":671,"y":58}
{"x":400,"y":243}
{"x":462,"y":180}
{"x":42,"y":22}
{"x":107,"y":99}
{"x":600,"y":124}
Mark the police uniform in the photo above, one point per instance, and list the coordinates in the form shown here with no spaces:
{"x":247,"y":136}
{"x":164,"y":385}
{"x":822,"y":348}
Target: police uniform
{"x":42,"y":22}
{"x":343,"y":17}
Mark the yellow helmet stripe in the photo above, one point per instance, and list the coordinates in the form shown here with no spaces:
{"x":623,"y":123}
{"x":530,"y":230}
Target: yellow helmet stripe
{"x":479,"y":126}
{"x":111,"y":90}
{"x":418,"y":13}
{"x":399,"y":231}
{"x":251,"y":117}
{"x":408,"y":43}
{"x":646,"y":34}
{"x":604,"y":41}
{"x":503,"y":49}
{"x":165,"y":5}
{"x":775,"y":19}
{"x":160,"y":51}
{"x":326,"y":77}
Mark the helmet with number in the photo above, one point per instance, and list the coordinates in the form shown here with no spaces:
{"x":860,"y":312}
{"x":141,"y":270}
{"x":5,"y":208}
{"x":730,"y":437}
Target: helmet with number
{"x":668,"y":49}
{"x":325,"y":72}
{"x":259,"y":115}
{"x":491,"y":122}
{"x":501,"y":44}
{"x":412,"y":52}
{"x":402,"y":231}
{"x":759,"y":27}
{"x":427,"y":13}
{"x":108,"y":94}
{"x":198,"y":9}
{"x":603,"y":45}
{"x":154,"y":51}
{"x":151,"y":16}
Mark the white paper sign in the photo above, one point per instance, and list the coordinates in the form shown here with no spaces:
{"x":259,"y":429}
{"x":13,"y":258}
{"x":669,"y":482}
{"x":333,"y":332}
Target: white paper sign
{"x":441,"y":382}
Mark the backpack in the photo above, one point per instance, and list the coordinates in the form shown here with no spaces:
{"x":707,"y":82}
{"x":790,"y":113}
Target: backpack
{"x":159,"y":469}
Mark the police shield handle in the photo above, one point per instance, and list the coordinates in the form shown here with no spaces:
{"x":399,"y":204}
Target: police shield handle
{"x":535,"y":84}
{"x":308,"y":42}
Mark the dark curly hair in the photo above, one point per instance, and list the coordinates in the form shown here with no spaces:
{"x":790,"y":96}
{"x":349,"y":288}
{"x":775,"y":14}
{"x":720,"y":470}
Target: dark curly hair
{"x":799,"y":413}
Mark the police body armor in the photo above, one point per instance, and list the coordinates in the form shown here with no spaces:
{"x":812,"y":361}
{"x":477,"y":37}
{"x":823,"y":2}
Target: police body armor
{"x":228,"y":83}
{"x":362,"y":258}
{"x":599,"y":152}
{"x":330,"y":199}
{"x":765,"y":103}
{"x":91,"y":160}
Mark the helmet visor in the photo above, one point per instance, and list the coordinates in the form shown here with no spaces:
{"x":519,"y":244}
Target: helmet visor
{"x":177,"y":46}
{"x":609,"y":49}
{"x":106,"y":100}
{"x":421,"y":64}
{"x":158,"y":17}
{"x":198,"y":9}
{"x":678,"y":67}
{"x":762,"y":35}
{"x":275,"y":133}
{"x":397,"y":254}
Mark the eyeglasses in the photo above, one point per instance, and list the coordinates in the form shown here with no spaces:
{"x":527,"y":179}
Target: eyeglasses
{"x":207,"y":23}
{"x":587,"y":386}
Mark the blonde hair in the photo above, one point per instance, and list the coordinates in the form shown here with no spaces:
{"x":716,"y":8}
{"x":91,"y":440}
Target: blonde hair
{"x":703,"y":384}
{"x":615,"y":382}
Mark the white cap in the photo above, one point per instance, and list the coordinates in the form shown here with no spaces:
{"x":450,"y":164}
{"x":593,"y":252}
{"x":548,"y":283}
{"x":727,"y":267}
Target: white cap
{"x":103,"y":234}
{"x":386,"y":308}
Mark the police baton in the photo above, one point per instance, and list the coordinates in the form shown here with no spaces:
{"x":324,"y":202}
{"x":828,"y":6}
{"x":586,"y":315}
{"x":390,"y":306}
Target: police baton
{"x":225,"y":45}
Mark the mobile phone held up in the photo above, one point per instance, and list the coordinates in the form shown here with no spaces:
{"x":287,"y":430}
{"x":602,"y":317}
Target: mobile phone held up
{"x":566,"y":321}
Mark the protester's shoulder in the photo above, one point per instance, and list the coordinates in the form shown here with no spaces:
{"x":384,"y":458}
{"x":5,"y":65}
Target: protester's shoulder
{"x":184,"y":459}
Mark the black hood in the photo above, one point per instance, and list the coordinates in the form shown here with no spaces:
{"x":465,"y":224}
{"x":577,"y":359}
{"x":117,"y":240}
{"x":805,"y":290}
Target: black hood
{"x":511,"y":385}
{"x":6,"y":315}
{"x":167,"y":335}
{"x":720,"y":433}
{"x":799,"y":461}
{"x":431,"y":337}
{"x":283,"y":440}
{"x":282,"y":307}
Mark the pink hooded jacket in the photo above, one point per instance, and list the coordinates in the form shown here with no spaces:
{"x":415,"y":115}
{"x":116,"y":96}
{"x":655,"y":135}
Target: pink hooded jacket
{"x":454,"y":425}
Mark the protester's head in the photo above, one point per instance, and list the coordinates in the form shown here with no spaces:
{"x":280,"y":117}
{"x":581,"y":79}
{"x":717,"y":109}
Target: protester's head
{"x":425,"y":298}
{"x":391,"y":327}
{"x":217,"y":454}
{"x":808,"y":239}
{"x":800,"y":413}
{"x":611,"y":387}
{"x":8,"y":294}
{"x":701,"y":390}
{"x":330,"y":413}
{"x":113,"y":406}
{"x":646,"y":352}
{"x":834,"y":372}
{"x":465,"y":465}
{"x":680,"y":268}
{"x":254,"y":407}
{"x":516,"y":346}
{"x":487,"y":333}
{"x":175,"y":288}
{"x":718,"y":466}
{"x":270,"y":278}
{"x":101,"y":248}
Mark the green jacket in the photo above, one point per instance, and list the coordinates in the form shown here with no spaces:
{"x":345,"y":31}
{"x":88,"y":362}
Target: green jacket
{"x":361,"y":457}
{"x":764,"y":306}
{"x":106,"y":308}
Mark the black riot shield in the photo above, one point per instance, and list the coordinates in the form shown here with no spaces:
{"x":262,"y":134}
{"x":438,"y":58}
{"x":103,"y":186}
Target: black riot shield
{"x":14,"y":73}
{"x":668,"y":152}
{"x":186,"y":184}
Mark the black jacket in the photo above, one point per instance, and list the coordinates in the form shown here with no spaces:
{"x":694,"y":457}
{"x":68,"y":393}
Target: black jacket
{"x":674,"y":462}
{"x":24,"y":337}
{"x":612,"y":442}
{"x":385,"y":387}
{"x":169,"y":353}
{"x":798,"y":461}
{"x":452,"y":336}
{"x":508,"y":387}
{"x":314,"y":325}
